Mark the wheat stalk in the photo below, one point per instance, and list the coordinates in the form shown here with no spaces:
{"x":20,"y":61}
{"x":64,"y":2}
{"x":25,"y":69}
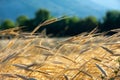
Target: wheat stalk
{"x":108,"y":50}
{"x":46,"y":23}
{"x":102,"y":70}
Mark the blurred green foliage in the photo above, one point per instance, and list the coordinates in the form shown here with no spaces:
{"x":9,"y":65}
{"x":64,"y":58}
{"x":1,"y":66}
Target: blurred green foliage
{"x":22,"y":20}
{"x":111,"y":20}
{"x":67,"y":27}
{"x":41,"y":15}
{"x":7,"y":24}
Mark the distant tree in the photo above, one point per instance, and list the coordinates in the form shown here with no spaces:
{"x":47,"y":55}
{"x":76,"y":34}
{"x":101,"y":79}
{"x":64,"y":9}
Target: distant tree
{"x":0,"y":27}
{"x":111,"y":20}
{"x":41,"y":15}
{"x":22,"y":20}
{"x":74,"y":19}
{"x":58,"y":28}
{"x":29,"y":25}
{"x":73,"y":27}
{"x":0,"y":24}
{"x":89,"y":23}
{"x":7,"y":24}
{"x":91,"y":20}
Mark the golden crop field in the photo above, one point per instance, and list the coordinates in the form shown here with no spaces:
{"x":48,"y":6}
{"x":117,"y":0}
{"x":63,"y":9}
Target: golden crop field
{"x":88,"y":56}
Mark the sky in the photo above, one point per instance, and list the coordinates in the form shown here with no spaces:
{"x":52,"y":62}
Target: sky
{"x":81,"y":8}
{"x":112,"y":4}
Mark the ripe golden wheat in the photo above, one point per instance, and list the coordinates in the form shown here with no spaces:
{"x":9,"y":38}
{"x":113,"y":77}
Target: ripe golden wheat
{"x":88,"y":56}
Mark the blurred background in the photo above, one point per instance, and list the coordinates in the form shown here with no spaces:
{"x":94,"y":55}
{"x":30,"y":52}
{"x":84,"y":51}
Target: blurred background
{"x":82,"y":15}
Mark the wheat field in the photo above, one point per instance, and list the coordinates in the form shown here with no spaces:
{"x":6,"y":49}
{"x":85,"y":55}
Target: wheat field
{"x":87,"y":56}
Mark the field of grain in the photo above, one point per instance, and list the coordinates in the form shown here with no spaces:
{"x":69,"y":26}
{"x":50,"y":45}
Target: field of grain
{"x":88,"y":56}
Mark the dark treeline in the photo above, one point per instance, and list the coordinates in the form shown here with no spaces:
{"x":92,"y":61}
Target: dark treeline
{"x":67,"y":27}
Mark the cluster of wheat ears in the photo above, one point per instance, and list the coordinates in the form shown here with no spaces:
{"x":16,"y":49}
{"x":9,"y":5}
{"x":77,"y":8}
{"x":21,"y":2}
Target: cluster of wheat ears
{"x":88,"y":56}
